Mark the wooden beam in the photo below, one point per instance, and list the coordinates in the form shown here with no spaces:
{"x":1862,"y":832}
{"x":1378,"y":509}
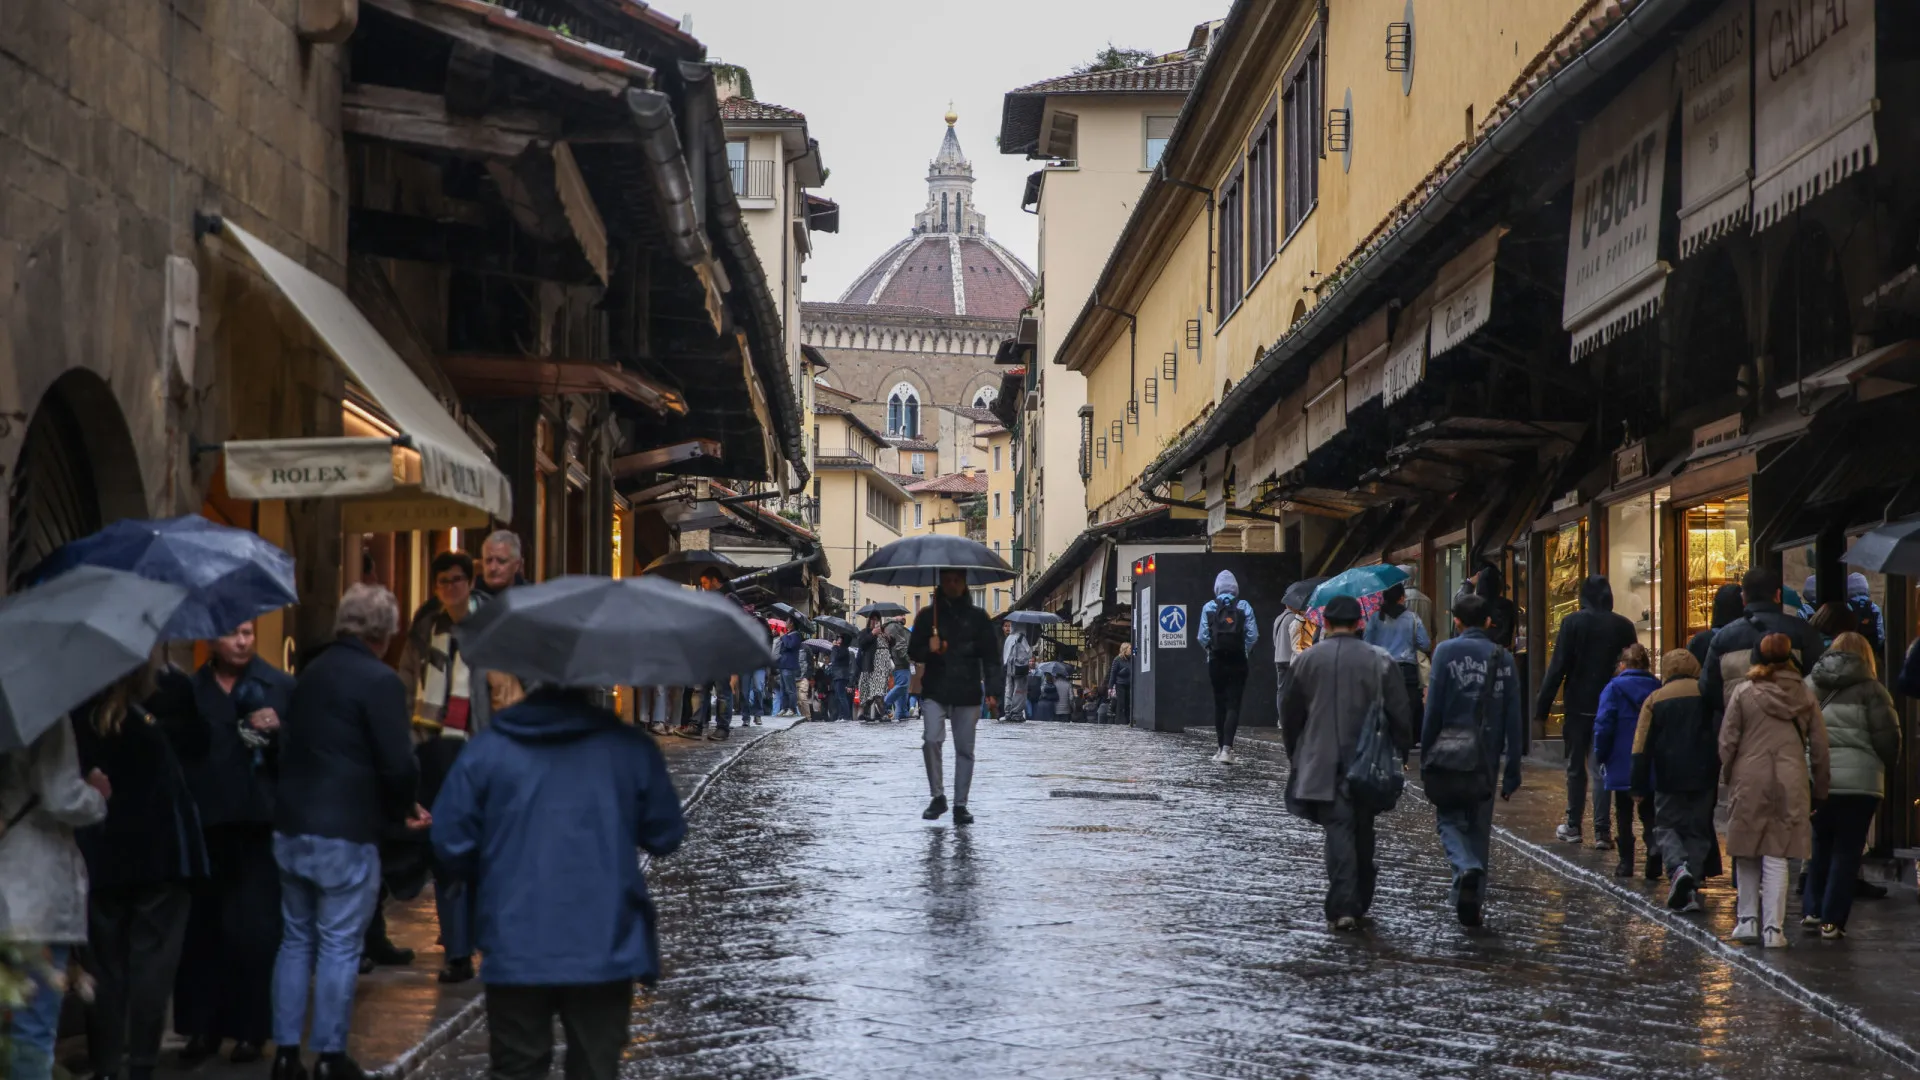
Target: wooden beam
{"x":520,"y":44}
{"x":411,"y":118}
{"x":470,"y":81}
{"x":662,"y":457}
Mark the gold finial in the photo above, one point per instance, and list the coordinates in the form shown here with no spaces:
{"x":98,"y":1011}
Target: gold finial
{"x":952,"y":117}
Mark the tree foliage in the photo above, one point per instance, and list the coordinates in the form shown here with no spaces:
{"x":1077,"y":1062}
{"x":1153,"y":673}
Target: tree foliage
{"x":1114,"y":58}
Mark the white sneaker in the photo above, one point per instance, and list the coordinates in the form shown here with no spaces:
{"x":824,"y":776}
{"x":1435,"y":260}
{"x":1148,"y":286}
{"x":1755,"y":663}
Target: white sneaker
{"x":1774,"y":937}
{"x":1746,"y":932}
{"x":1226,"y":755}
{"x":1220,"y":755}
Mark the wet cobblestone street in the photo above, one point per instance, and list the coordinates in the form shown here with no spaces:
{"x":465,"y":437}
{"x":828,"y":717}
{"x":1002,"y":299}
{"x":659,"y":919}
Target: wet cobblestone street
{"x":1124,"y":907}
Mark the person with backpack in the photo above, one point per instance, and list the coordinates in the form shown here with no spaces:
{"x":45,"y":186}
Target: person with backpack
{"x":1474,"y":716}
{"x":1730,"y":656}
{"x":1676,"y":764}
{"x":1614,"y":728}
{"x":1343,"y":688}
{"x":1227,"y":632}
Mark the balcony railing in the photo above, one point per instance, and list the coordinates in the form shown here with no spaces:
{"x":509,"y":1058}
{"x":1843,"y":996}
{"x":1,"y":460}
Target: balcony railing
{"x":752,"y":178}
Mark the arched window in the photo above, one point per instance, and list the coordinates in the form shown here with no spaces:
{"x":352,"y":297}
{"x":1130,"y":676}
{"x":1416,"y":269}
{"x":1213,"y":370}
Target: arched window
{"x":903,"y":411}
{"x":985,"y":397}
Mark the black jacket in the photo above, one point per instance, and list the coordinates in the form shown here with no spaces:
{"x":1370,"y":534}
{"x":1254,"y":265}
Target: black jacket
{"x":152,"y":832}
{"x":346,"y":750}
{"x":1679,"y":748}
{"x":1728,"y":605}
{"x":1120,"y":675}
{"x":972,"y":654}
{"x":865,"y":643}
{"x":232,"y":783}
{"x":1731,"y":652}
{"x":1585,"y":653}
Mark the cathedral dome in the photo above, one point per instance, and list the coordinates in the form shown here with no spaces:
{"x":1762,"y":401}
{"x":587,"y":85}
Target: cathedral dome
{"x":948,"y":265}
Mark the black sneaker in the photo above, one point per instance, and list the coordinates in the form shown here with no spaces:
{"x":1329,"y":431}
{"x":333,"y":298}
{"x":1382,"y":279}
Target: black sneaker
{"x":935,"y":808}
{"x":1653,"y":868}
{"x":286,"y":1064}
{"x":960,"y":815}
{"x":687,"y":731}
{"x":1472,"y":884}
{"x":1623,"y":868}
{"x":1868,"y":890}
{"x":720,"y":735}
{"x":384,"y":953}
{"x":198,"y":1049}
{"x":337,"y":1067}
{"x":458,"y":970}
{"x":1680,"y":893}
{"x":246,"y":1053}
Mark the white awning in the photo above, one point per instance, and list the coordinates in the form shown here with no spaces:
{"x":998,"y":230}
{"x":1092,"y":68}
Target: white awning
{"x":1814,"y":103}
{"x":434,"y":475}
{"x":1465,"y":288}
{"x":1716,"y":129}
{"x":1615,"y":278}
{"x":1093,"y":585}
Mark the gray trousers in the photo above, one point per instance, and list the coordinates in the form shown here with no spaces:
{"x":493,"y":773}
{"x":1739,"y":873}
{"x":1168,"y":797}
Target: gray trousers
{"x":1013,"y":704}
{"x":1683,"y":829}
{"x":966,"y":719}
{"x":1351,"y":871}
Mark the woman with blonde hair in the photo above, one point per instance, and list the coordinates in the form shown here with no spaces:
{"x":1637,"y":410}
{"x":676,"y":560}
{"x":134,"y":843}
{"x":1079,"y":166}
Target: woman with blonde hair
{"x":1773,"y":749}
{"x":1864,"y":732}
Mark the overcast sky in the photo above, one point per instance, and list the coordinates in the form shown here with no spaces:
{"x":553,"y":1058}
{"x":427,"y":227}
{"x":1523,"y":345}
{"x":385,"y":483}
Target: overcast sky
{"x":874,"y":77}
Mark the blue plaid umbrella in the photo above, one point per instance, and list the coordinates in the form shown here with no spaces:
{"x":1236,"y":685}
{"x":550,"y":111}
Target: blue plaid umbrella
{"x":231,"y":575}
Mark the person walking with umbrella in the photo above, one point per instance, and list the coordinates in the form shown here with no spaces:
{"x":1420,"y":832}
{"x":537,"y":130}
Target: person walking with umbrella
{"x":224,"y":989}
{"x":1403,"y":635}
{"x":955,"y":640}
{"x":1228,"y":632}
{"x":875,"y":671}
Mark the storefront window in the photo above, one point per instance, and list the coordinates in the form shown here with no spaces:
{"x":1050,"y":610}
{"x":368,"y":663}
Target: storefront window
{"x":1451,"y":564}
{"x":1566,"y":568}
{"x":1633,"y":563}
{"x":1716,"y":536}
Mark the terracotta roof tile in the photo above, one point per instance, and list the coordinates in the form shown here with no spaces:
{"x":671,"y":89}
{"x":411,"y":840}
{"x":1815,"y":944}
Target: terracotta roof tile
{"x":742,"y":109}
{"x":1021,"y":109}
{"x":953,"y":484}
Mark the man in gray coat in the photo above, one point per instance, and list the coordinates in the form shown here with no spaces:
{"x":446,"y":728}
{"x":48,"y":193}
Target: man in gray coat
{"x":1335,"y":685}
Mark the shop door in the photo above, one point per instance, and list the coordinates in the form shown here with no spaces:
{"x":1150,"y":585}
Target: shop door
{"x":1715,"y":539}
{"x":1634,"y":565}
{"x":1565,"y":559}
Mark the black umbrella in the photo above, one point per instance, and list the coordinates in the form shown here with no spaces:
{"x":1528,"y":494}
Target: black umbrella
{"x":1889,"y":549}
{"x":585,"y":630}
{"x":686,"y":567}
{"x":832,"y":623}
{"x":918,"y":560}
{"x":792,"y":613}
{"x":1300,"y":592}
{"x":1032,"y":618}
{"x":818,"y":643}
{"x":885,"y":611}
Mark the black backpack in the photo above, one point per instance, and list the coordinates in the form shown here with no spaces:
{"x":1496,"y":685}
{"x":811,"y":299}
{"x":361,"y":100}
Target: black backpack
{"x":1229,"y":629}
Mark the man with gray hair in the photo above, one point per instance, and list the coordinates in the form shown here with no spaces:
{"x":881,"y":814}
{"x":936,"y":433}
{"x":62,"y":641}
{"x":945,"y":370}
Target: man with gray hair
{"x":347,"y":774}
{"x":500,"y":563}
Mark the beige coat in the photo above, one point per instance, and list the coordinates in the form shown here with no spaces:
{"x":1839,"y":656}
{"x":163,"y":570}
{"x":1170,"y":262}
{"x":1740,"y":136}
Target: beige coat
{"x":1773,"y":746}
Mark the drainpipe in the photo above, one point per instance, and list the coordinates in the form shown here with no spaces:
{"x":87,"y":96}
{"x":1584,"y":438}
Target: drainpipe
{"x":1208,"y":192}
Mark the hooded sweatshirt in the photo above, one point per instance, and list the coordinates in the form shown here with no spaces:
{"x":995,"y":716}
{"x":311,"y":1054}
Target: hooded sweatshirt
{"x":1586,"y":652}
{"x":1863,"y":729}
{"x":1226,"y":591}
{"x":1727,"y":606}
{"x":1773,"y":746}
{"x":544,"y":813}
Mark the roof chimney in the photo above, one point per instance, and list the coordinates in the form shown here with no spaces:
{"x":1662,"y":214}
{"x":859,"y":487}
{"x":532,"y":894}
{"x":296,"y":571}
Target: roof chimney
{"x":967,"y":471}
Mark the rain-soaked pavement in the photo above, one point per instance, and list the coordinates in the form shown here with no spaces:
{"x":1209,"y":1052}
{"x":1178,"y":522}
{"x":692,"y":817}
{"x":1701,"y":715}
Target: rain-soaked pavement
{"x":1124,"y":907}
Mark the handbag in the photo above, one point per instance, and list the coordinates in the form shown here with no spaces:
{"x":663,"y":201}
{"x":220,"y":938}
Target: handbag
{"x":1374,"y":779}
{"x":1455,"y":771}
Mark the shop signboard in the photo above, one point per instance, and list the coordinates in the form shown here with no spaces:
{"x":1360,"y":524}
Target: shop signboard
{"x":1720,"y":432}
{"x":1716,"y":137}
{"x":1407,"y":363}
{"x":1327,"y":414}
{"x":1630,"y":463}
{"x":309,"y":468}
{"x":1813,"y":100}
{"x":1615,"y":278}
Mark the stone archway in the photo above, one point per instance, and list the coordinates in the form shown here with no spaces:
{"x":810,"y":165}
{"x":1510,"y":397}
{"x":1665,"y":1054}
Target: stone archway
{"x":77,"y":471}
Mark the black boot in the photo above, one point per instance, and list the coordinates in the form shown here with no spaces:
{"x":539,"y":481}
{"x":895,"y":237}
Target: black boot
{"x":935,"y":808}
{"x":245,"y":1052}
{"x":384,"y":953}
{"x":198,"y":1049}
{"x":286,"y":1064}
{"x":458,"y":970}
{"x":1654,"y":867}
{"x":337,"y":1066}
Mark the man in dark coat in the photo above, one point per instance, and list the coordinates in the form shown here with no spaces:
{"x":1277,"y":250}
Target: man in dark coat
{"x":1335,"y":686}
{"x":787,"y":666}
{"x":223,"y":990}
{"x":956,"y":643}
{"x":1731,"y":654}
{"x":347,"y":775}
{"x":1584,"y":655}
{"x":543,"y":815}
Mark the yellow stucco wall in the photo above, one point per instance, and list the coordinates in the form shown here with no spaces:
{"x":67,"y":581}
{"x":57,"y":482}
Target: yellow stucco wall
{"x":1466,"y":55}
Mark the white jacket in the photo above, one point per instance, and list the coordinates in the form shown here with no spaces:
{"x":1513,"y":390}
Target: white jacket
{"x":43,"y":878}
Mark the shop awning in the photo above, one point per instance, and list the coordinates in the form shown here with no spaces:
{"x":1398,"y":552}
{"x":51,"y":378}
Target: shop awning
{"x":1615,"y":277}
{"x":1814,"y":103}
{"x":517,"y":376}
{"x":1876,"y":373}
{"x":1464,"y":288}
{"x":430,"y":475}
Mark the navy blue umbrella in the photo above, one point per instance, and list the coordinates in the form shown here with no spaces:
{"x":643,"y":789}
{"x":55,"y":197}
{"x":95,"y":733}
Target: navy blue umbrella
{"x":231,"y":575}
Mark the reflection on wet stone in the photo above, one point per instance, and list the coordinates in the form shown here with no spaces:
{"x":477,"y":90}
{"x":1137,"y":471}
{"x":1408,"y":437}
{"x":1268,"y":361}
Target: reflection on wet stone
{"x":814,"y":926}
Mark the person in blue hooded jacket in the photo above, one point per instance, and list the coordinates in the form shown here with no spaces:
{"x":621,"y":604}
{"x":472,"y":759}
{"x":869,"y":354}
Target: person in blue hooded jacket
{"x":543,"y":814}
{"x":1227,"y":631}
{"x":1613,"y":731}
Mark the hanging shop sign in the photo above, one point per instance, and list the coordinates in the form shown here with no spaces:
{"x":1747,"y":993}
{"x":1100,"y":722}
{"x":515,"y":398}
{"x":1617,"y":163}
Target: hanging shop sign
{"x":1327,"y":414}
{"x":1407,"y":363}
{"x":1367,"y":345}
{"x":1716,"y":136}
{"x":1813,"y":79}
{"x":1615,"y":278}
{"x":1465,"y":288}
{"x":1291,"y":453}
{"x":1246,"y":472}
{"x":309,"y":468}
{"x":1630,"y":463}
{"x":1093,"y":585}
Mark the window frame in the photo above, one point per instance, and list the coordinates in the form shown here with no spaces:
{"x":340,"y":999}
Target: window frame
{"x":1262,"y":193}
{"x":1150,"y":161}
{"x":1301,"y":135}
{"x":1232,"y":245}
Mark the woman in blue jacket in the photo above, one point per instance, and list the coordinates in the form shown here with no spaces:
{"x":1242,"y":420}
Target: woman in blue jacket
{"x":1613,"y":730}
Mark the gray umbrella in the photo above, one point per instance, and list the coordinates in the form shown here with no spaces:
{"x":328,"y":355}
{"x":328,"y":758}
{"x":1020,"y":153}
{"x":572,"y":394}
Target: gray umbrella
{"x":1032,"y":618}
{"x":687,"y":566}
{"x":584,"y":630}
{"x":71,"y":638}
{"x":918,"y":560}
{"x":1889,"y":549}
{"x":885,"y":611}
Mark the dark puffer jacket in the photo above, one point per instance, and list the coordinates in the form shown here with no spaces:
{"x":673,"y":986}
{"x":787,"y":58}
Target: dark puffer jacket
{"x":1676,"y":747}
{"x":1731,"y":653}
{"x":972,"y":656}
{"x":1586,"y":652}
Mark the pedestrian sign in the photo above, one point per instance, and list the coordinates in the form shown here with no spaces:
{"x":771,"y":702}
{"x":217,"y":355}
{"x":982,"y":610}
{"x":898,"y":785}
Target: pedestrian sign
{"x":1173,"y":626}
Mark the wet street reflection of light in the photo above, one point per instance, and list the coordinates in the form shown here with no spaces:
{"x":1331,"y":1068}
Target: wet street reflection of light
{"x":814,"y":926}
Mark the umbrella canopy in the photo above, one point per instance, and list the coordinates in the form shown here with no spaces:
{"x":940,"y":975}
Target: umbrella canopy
{"x":1889,"y":549}
{"x":231,"y":575}
{"x":794,"y":615}
{"x":1032,"y":618}
{"x":1054,"y":669}
{"x":842,"y":625}
{"x":70,"y":638}
{"x":1361,"y":581}
{"x":818,"y":643}
{"x":1300,"y":593}
{"x":686,"y":567}
{"x":585,"y":630}
{"x":885,"y":611}
{"x":918,"y":560}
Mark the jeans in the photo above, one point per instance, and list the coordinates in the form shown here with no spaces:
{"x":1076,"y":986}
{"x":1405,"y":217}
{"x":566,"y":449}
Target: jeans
{"x":896,"y":700}
{"x":1839,"y":839}
{"x":328,"y":888}
{"x":717,"y":705}
{"x":658,"y":704}
{"x":1466,"y":833}
{"x":1229,"y":676}
{"x":840,"y":706}
{"x":32,"y":1029}
{"x":136,"y":931}
{"x":966,"y":721}
{"x":757,"y":686}
{"x":1350,"y":846}
{"x":1683,"y":831}
{"x":1578,"y":734}
{"x":594,"y":1017}
{"x":788,"y":699}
